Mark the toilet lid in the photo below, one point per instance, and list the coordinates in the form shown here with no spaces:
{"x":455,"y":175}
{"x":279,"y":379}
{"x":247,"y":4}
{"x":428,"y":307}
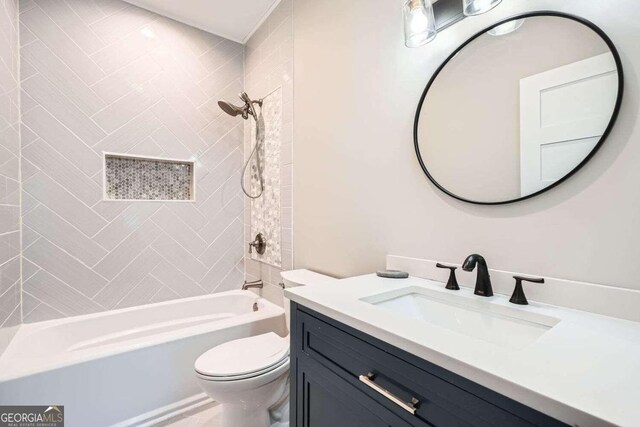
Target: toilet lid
{"x":244,"y":356}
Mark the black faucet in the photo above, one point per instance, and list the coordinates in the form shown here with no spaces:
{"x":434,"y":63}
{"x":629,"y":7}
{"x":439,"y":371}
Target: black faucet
{"x":483,"y":281}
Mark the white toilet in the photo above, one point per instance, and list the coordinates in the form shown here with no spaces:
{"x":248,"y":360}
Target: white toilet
{"x":249,"y":377}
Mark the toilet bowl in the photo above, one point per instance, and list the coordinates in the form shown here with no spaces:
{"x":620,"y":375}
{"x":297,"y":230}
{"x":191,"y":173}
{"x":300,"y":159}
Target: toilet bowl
{"x":249,"y":377}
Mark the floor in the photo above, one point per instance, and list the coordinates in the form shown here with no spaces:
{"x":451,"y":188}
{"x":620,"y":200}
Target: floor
{"x":208,"y":415}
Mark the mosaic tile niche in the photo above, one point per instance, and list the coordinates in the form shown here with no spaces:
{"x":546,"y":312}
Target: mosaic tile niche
{"x":139,"y":178}
{"x":265,"y":210}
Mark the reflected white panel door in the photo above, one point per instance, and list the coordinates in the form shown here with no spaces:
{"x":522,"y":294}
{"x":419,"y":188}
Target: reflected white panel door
{"x":563,"y":114}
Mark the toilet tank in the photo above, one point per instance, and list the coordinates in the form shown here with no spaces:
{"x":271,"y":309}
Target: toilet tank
{"x":293,"y":278}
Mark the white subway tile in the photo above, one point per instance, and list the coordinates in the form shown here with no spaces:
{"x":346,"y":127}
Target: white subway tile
{"x":87,"y":10}
{"x":129,"y":276}
{"x":179,"y":231}
{"x":57,"y":104}
{"x":127,"y":250}
{"x":221,"y":269}
{"x":50,"y":66}
{"x":63,"y":234}
{"x":219,"y":246}
{"x":124,"y":224}
{"x":58,"y":295}
{"x":180,"y":257}
{"x":60,"y":13}
{"x":61,"y":44}
{"x":63,"y":203}
{"x":119,"y":113}
{"x":185,"y":134}
{"x":225,"y":216}
{"x":63,"y":140}
{"x":65,"y":173}
{"x":64,"y":267}
{"x":176,"y":280}
{"x":122,"y":22}
{"x":131,"y":134}
{"x":142,"y":293}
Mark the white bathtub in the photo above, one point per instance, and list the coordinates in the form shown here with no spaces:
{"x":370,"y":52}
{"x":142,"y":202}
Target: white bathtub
{"x":131,"y":366}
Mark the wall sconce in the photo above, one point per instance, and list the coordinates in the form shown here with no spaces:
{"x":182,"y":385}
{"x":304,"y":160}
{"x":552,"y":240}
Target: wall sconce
{"x":419,"y":23}
{"x":423,"y":21}
{"x":478,"y":7}
{"x":506,"y":28}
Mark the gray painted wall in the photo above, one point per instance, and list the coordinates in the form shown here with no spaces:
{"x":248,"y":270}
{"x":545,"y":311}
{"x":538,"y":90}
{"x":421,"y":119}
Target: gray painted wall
{"x":9,"y":173}
{"x":356,"y":90}
{"x":108,"y":76}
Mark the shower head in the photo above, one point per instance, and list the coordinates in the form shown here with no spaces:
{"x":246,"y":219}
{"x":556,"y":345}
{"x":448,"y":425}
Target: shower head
{"x":233,"y":110}
{"x":246,"y":110}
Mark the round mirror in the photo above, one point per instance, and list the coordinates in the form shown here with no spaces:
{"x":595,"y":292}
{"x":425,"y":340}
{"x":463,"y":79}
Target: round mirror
{"x":518,"y":108}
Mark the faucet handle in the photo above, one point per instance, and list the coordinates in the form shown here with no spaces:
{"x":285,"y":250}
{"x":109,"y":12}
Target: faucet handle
{"x":259,"y":243}
{"x":518,"y":296}
{"x":452,"y":283}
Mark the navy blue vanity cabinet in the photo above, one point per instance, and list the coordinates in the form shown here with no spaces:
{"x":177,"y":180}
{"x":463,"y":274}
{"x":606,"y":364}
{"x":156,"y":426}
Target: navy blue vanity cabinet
{"x":343,"y":377}
{"x":329,"y":400}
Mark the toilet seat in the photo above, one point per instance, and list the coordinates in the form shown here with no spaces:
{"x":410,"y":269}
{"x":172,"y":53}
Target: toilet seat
{"x":244,"y":358}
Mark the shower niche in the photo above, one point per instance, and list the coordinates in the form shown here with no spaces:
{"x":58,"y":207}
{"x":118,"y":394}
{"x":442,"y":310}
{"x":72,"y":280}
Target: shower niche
{"x":139,"y":178}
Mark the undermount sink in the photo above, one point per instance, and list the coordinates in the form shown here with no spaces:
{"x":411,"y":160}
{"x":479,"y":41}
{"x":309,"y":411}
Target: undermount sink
{"x":471,"y":316}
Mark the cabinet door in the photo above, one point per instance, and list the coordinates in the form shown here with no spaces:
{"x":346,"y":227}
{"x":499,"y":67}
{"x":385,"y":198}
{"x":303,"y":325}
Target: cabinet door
{"x":323,"y":399}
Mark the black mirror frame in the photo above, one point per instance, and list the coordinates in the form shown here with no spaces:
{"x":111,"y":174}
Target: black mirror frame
{"x":614,"y":115}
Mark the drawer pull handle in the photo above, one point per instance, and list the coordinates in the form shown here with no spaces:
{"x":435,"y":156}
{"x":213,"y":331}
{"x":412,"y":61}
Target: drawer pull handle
{"x":407,"y":406}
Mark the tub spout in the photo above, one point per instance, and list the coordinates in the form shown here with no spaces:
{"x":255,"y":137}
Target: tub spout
{"x":249,"y":285}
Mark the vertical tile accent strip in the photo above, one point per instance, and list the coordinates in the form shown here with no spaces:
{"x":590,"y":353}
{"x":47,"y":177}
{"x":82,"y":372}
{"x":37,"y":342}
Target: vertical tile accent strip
{"x":265,"y":210}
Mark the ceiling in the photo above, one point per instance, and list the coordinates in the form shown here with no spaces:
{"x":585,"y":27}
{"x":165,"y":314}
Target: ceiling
{"x":233,"y":19}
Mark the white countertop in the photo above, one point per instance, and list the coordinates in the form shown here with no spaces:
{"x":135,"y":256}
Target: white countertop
{"x":584,"y":371}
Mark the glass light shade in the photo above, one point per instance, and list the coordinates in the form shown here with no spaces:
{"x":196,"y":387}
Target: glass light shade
{"x":419,"y":23}
{"x":506,"y":28}
{"x":478,"y":7}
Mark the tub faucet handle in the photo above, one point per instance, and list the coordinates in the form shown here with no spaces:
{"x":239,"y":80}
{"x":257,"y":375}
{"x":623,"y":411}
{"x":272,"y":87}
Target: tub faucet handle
{"x":518,"y":296}
{"x":452,"y":283}
{"x":260,"y":243}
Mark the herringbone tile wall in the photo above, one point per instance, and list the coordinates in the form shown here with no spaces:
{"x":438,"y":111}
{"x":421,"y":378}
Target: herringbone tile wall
{"x":9,"y":172}
{"x":103,"y":75}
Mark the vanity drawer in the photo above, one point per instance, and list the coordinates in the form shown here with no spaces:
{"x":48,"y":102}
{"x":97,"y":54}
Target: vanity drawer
{"x":327,"y":399}
{"x":397,"y":381}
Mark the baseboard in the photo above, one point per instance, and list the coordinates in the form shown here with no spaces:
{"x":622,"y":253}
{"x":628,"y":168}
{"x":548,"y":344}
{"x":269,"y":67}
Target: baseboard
{"x":600,"y":299}
{"x":166,"y":412}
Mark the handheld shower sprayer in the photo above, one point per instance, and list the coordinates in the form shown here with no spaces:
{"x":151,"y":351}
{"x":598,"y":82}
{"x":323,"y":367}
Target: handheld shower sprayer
{"x":245,"y":111}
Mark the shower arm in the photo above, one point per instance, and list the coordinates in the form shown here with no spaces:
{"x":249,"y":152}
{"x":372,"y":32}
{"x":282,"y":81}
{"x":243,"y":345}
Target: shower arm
{"x":252,"y":110}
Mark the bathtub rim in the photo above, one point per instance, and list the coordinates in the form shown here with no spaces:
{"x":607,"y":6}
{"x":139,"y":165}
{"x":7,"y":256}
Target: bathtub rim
{"x":9,"y":356}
